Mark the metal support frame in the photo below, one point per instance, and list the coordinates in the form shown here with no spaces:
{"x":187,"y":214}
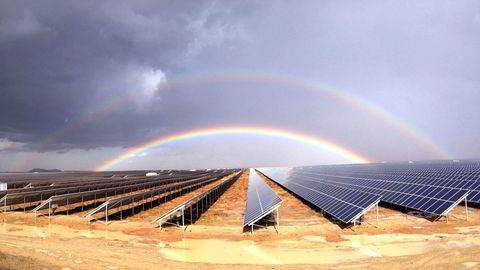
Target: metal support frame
{"x":143,"y":202}
{"x":209,"y":198}
{"x":450,"y":214}
{"x":364,"y":211}
{"x":466,"y":208}
{"x":447,"y":212}
{"x":277,"y":219}
{"x":377,"y":226}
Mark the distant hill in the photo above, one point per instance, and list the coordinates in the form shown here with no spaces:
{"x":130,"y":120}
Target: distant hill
{"x":38,"y":170}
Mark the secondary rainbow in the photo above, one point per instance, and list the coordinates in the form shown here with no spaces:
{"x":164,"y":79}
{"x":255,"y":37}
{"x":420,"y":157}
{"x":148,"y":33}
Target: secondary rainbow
{"x":252,"y":76}
{"x":314,"y":141}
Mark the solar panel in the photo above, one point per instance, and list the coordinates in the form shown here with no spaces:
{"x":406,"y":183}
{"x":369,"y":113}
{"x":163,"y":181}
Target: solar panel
{"x":343,"y":203}
{"x":426,"y":195}
{"x":86,"y":196}
{"x":456,"y":175}
{"x":214,"y":191}
{"x":118,"y":202}
{"x":21,"y":197}
{"x":54,"y":186}
{"x":457,"y":182}
{"x":261,"y":200}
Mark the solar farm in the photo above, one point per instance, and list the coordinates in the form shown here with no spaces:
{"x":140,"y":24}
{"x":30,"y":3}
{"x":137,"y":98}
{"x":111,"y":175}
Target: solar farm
{"x":311,"y":206}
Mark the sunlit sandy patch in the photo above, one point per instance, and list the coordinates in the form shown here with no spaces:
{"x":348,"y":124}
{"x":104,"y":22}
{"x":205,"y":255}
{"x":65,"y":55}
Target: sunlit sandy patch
{"x":468,"y":229}
{"x":315,"y":238}
{"x":248,"y":252}
{"x":470,"y":264}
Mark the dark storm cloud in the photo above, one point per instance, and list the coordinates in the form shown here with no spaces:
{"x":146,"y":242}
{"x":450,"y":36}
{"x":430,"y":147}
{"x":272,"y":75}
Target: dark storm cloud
{"x":63,"y":58}
{"x":88,"y":74}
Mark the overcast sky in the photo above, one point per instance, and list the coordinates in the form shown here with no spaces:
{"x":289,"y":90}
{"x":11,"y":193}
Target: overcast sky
{"x":83,"y":81}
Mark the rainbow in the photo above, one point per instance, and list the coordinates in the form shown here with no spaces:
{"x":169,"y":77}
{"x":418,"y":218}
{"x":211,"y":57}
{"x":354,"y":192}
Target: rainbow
{"x":314,"y":141}
{"x":302,"y":83}
{"x":192,"y":81}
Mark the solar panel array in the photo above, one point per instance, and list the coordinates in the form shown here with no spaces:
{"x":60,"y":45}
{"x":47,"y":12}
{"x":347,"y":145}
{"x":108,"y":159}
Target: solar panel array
{"x":343,"y":203}
{"x":117,"y":202}
{"x":33,"y":195}
{"x":73,"y":185}
{"x":261,"y":200}
{"x":72,"y":198}
{"x":217,"y":191}
{"x":345,"y":192}
{"x":423,"y":197}
{"x":460,"y":175}
{"x":431,"y":187}
{"x":27,"y":180}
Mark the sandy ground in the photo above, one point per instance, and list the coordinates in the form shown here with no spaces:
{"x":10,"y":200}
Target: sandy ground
{"x":305,"y":240}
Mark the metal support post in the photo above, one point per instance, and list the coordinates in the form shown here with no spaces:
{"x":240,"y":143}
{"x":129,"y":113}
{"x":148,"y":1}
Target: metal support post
{"x":183,"y":217}
{"x":466,"y":208}
{"x":377,"y":215}
{"x":278,"y":218}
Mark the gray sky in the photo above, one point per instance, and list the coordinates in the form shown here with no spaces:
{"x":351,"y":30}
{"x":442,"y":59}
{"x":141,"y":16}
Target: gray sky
{"x":81,"y":82}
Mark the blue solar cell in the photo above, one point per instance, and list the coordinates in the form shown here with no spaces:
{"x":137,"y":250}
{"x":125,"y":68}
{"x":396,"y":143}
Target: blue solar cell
{"x":261,"y":199}
{"x":433,"y":187}
{"x":474,"y":196}
{"x":418,"y":193}
{"x":343,"y":203}
{"x":435,"y":205}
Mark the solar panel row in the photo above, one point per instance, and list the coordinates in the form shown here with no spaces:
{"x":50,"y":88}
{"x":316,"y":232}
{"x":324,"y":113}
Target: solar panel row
{"x":37,"y":196}
{"x":29,"y":180}
{"x":86,"y":196}
{"x":200,"y":199}
{"x":452,"y":182}
{"x":426,"y":198}
{"x":261,"y":200}
{"x":118,"y":202}
{"x":343,"y":203}
{"x":24,"y":180}
{"x":468,"y":170}
{"x":447,"y":174}
{"x":81,"y":182}
{"x":69,"y":184}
